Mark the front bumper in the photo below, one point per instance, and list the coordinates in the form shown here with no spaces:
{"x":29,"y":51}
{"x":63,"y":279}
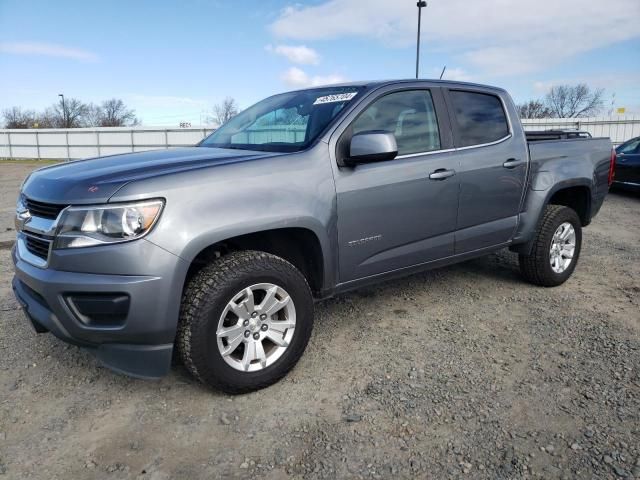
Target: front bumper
{"x":140,"y":342}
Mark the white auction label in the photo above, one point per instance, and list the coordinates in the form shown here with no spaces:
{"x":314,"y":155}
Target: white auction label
{"x":338,"y":97}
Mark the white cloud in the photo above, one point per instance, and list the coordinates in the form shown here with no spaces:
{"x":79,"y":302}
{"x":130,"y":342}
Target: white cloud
{"x":296,"y":53}
{"x":295,"y":77}
{"x":611,"y":81}
{"x":500,"y":37}
{"x":335,"y":18}
{"x":47,"y":49}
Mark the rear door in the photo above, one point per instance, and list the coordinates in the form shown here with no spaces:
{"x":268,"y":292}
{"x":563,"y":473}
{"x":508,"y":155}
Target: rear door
{"x":492,"y":158}
{"x":628,"y":162}
{"x":392,"y":215}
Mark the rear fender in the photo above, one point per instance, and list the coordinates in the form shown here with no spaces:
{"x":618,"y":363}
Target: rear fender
{"x":538,"y":197}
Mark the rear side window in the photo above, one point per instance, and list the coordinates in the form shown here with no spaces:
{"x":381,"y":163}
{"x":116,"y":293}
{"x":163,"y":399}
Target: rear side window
{"x":480,"y":117}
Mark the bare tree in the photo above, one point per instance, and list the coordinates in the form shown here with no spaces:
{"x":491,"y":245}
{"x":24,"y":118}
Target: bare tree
{"x":15,"y":117}
{"x":114,"y":113}
{"x":570,"y":101}
{"x":73,"y":113}
{"x":69,"y":113}
{"x":93,"y":116}
{"x":534,"y":109}
{"x":224,"y":111}
{"x":46,"y":119}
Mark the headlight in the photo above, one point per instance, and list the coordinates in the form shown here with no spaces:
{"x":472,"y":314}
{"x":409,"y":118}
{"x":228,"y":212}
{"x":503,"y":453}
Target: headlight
{"x":97,"y":225}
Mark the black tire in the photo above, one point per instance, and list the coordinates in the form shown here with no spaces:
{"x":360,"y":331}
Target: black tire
{"x":204,"y":300}
{"x":536,"y":267}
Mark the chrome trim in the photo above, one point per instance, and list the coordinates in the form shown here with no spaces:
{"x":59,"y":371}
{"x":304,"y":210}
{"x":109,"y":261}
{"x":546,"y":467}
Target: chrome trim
{"x":447,"y":150}
{"x":631,"y":184}
{"x":430,"y":152}
{"x":486,"y":144}
{"x":105,"y":206}
{"x":41,"y":226}
{"x":27,"y":256}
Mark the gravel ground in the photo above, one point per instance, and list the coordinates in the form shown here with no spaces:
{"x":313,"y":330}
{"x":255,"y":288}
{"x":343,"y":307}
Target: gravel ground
{"x":462,"y":372}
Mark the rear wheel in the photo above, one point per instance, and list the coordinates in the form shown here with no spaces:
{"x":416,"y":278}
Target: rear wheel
{"x":245,"y":321}
{"x":556,"y":248}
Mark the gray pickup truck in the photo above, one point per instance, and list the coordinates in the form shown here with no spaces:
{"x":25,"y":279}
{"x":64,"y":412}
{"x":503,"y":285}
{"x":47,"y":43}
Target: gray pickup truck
{"x":218,"y":251}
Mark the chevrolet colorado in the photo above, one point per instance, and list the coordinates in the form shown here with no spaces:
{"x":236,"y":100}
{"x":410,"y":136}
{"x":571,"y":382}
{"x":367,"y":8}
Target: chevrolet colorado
{"x":218,"y":251}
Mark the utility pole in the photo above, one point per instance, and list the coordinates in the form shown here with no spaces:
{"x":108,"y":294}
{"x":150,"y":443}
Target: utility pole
{"x":421,"y":4}
{"x":64,"y":110}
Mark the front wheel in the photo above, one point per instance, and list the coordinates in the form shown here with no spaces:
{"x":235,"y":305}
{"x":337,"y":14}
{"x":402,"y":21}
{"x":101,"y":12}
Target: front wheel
{"x":556,"y":248}
{"x":245,"y":321}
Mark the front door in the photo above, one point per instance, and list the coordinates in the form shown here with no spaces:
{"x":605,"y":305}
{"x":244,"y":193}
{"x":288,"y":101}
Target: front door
{"x":392,"y":215}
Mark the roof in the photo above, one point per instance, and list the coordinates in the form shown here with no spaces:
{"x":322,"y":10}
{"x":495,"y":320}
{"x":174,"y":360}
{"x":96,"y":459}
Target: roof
{"x":381,"y":83}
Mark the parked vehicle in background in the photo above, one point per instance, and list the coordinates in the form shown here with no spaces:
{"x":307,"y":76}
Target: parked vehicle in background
{"x":219,"y":250}
{"x":628,"y":164}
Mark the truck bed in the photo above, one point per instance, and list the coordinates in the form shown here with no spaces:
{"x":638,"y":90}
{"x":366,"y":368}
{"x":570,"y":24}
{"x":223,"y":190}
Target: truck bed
{"x":587,"y":159}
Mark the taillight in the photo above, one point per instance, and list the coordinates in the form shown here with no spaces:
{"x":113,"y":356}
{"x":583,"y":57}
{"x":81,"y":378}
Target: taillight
{"x":612,"y":166}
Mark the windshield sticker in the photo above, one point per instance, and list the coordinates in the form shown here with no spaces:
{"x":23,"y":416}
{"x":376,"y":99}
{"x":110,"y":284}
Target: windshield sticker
{"x":338,"y":97}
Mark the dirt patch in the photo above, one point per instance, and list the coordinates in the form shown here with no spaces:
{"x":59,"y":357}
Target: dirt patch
{"x":465,"y":371}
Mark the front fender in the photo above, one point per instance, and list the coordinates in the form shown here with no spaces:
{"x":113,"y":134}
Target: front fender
{"x":212,"y":205}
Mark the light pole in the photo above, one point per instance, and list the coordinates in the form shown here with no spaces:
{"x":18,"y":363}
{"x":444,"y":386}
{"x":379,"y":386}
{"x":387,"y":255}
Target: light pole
{"x":64,"y":110}
{"x":421,"y":4}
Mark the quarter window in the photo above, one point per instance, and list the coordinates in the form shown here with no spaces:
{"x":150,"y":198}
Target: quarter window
{"x":409,"y":115}
{"x":480,"y":117}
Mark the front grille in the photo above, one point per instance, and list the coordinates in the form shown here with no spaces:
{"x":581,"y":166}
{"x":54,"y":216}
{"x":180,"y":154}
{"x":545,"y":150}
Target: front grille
{"x":44,"y":210}
{"x":37,"y":246}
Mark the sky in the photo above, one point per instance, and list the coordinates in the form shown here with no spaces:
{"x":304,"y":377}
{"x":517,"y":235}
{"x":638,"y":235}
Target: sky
{"x":173,"y":60}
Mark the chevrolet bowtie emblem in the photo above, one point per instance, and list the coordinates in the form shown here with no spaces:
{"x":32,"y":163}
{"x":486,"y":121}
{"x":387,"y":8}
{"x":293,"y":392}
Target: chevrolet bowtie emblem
{"x":22,"y":218}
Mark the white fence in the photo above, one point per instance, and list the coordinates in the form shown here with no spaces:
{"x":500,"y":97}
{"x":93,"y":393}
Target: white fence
{"x":93,"y":142}
{"x":68,"y":143}
{"x":619,"y":128}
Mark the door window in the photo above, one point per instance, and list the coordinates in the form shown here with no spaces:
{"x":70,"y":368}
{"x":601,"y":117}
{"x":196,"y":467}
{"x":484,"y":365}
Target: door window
{"x":409,"y":115}
{"x":480,"y":117}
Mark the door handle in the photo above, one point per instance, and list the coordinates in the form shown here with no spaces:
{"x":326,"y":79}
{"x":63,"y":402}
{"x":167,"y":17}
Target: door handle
{"x":513,"y":163}
{"x":441,"y":174}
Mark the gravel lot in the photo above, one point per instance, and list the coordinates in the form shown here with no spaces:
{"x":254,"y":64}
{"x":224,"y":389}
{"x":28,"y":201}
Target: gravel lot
{"x":462,"y":372}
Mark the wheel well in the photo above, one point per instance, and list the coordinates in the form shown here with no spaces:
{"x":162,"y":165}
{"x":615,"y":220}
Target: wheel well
{"x":298,"y":246}
{"x":576,"y":198}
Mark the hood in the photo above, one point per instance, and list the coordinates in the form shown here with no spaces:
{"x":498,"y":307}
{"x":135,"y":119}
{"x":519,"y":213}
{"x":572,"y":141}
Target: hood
{"x":96,"y":180}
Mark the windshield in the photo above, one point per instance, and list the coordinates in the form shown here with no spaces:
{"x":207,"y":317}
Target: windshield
{"x":288,"y":122}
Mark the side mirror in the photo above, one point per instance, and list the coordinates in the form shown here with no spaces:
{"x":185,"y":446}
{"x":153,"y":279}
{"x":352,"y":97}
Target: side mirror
{"x":372,"y":146}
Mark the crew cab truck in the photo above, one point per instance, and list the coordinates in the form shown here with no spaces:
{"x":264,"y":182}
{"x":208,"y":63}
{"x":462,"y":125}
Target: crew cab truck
{"x":217,"y":252}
